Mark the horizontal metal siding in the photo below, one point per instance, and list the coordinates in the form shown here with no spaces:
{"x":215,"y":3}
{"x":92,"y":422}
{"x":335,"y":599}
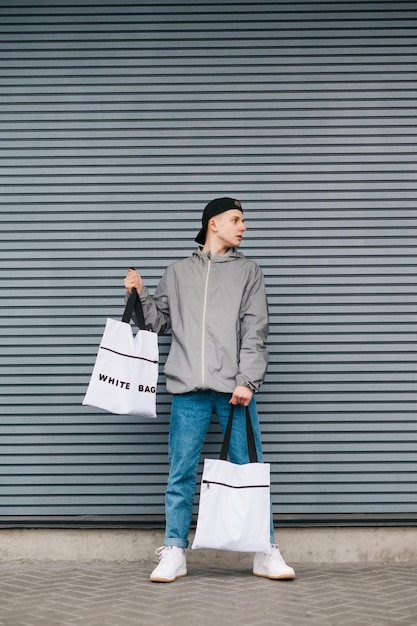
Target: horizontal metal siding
{"x":119,"y":121}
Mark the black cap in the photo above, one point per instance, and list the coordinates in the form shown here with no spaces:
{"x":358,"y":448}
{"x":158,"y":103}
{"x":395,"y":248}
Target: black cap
{"x":219,"y":205}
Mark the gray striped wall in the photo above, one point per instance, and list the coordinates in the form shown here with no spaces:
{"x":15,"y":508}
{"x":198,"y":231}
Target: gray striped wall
{"x":118,"y":122}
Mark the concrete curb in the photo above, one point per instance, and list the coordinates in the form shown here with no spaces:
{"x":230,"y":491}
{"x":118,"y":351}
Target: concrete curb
{"x":298,"y":545}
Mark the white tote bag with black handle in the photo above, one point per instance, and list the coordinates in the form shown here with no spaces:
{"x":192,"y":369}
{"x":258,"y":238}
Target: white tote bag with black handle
{"x":235,"y":505}
{"x":125,"y":373}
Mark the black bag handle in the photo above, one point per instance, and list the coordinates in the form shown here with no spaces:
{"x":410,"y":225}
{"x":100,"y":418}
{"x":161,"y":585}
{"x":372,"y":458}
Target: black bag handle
{"x":250,"y":437}
{"x":134,"y":304}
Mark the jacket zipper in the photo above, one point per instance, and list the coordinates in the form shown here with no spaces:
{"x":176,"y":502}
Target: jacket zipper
{"x":203,"y":325}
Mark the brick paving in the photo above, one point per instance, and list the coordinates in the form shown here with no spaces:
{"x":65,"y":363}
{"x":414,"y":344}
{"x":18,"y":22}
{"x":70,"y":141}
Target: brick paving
{"x":120,"y":594}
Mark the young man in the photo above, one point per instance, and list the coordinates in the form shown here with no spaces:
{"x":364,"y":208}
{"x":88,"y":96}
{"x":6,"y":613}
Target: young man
{"x":214,"y":302}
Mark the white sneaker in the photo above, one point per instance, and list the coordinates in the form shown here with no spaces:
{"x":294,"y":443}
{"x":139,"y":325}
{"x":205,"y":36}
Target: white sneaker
{"x":272,"y":565}
{"x":172,"y":564}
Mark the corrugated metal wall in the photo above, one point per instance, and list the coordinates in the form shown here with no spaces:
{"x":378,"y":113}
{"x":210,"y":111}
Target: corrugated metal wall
{"x":119,"y":121}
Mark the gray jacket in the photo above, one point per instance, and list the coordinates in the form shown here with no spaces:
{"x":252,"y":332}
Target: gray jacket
{"x":217,"y":311}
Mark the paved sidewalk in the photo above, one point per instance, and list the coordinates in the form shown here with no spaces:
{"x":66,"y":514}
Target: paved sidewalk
{"x":120,"y":594}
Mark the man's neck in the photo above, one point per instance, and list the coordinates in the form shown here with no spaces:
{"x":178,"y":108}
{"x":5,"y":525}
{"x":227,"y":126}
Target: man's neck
{"x":214,"y":249}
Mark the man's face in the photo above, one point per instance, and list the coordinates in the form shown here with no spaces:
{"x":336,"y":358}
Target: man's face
{"x":230,"y":227}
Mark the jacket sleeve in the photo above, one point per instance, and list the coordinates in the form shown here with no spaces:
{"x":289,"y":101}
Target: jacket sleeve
{"x":254,"y":356}
{"x":156,"y":308}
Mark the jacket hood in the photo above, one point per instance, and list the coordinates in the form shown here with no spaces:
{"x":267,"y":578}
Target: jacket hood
{"x":231,"y":254}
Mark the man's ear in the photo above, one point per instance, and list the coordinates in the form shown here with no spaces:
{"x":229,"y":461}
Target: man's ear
{"x":212,"y":224}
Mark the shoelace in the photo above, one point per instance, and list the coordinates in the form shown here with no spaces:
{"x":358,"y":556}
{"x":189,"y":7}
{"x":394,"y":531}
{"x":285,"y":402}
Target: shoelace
{"x":164,"y":552}
{"x":276,"y":554}
{"x":161,"y":552}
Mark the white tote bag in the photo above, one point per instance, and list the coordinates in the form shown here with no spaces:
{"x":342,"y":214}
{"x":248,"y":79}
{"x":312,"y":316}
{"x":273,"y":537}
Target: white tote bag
{"x":235,"y":505}
{"x":125,"y":373}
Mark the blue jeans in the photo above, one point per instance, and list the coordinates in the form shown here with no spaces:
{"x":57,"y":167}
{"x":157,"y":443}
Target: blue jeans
{"x":190,"y":420}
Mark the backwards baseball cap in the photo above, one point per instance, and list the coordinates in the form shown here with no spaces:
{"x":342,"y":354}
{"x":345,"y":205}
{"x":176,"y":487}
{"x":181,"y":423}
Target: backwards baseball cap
{"x":219,"y":205}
